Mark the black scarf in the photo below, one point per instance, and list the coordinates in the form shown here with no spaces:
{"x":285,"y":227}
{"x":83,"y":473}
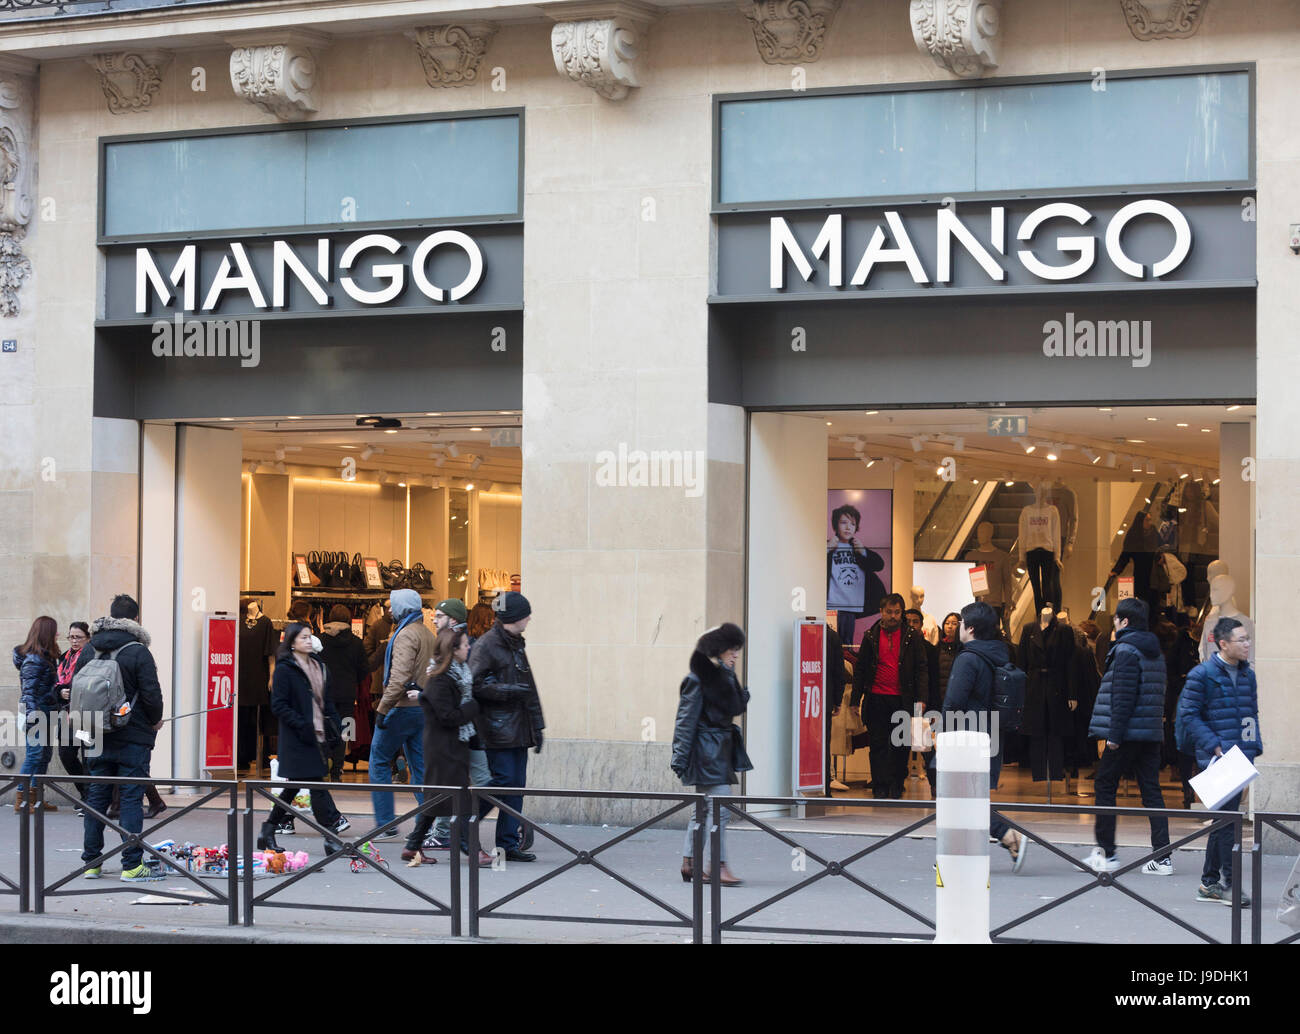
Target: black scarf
{"x":721,"y":688}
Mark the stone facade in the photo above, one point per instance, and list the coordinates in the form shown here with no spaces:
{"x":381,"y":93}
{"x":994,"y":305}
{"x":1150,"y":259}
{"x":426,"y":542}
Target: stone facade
{"x":616,"y":271}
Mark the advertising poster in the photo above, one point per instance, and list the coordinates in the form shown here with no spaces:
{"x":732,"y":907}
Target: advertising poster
{"x":220,"y":644}
{"x":810,"y":706}
{"x":859,"y":557}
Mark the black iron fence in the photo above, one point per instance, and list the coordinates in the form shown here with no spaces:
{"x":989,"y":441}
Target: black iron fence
{"x":469,"y":804}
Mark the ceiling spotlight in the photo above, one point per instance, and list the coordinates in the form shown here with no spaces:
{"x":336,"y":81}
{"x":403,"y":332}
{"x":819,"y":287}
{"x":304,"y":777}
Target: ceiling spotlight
{"x":1151,"y":466}
{"x":1103,"y":409}
{"x":1052,"y":456}
{"x":867,"y":460}
{"x":1111,"y":459}
{"x":469,"y":487}
{"x":1182,"y":475}
{"x":401,"y":484}
{"x":974,"y":481}
{"x":369,"y":451}
{"x":871,"y":463}
{"x":453,"y":450}
{"x":828,"y":424}
{"x":1029,"y":449}
{"x":279,"y":453}
{"x":1233,"y":409}
{"x":1206,"y":430}
{"x":254,"y":467}
{"x":938,"y":471}
{"x":476,"y":463}
{"x":918,"y":442}
{"x":1181,"y":425}
{"x":476,"y":428}
{"x":872,"y":412}
{"x":1216,"y":481}
{"x":1009,"y":484}
{"x":1091,"y":457}
{"x":1152,"y":419}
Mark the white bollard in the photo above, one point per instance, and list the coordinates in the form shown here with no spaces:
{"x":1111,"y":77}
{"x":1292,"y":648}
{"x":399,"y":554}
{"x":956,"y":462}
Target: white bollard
{"x":961,"y":876}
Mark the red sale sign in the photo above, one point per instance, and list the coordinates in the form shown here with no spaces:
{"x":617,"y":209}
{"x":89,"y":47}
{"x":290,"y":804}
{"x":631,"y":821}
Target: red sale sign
{"x":220,"y":646}
{"x":809,"y":706}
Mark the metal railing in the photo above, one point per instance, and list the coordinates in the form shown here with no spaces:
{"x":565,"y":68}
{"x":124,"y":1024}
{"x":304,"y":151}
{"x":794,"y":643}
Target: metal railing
{"x":1266,"y":820}
{"x":1111,"y":879}
{"x":351,"y":850}
{"x":483,"y":798}
{"x":829,"y":868}
{"x":23,"y":785}
{"x":230,"y":898}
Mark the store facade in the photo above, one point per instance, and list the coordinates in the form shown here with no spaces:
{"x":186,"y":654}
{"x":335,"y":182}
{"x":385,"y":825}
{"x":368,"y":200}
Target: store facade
{"x":643,"y":318}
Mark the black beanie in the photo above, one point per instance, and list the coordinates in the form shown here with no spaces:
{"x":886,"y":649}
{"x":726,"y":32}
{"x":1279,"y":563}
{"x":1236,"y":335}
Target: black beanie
{"x":511,"y":607}
{"x":717,"y":640}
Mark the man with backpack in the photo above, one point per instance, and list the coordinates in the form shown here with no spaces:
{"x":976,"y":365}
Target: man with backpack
{"x":977,"y":669}
{"x":1130,"y":716}
{"x":117,"y":679}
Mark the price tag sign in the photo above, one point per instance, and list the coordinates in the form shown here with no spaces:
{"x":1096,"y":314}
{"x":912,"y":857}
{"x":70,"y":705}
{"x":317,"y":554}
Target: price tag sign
{"x":300,"y":568}
{"x":220,"y":645}
{"x":809,"y":706}
{"x":979,"y":580}
{"x":371,"y":567}
{"x":1124,"y":585}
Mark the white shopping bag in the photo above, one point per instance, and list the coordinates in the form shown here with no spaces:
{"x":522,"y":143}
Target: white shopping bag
{"x":1225,"y":776}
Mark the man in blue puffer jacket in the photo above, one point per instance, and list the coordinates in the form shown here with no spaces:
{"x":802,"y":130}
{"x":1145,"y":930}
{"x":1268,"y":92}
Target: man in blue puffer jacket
{"x":1219,"y":710}
{"x":1130,"y":716}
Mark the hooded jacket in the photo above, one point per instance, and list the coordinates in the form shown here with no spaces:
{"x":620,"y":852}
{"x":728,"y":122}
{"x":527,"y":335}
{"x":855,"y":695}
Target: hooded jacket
{"x":511,"y":710}
{"x":36,"y":676}
{"x":970,"y":683}
{"x":1214,"y":713}
{"x":708,"y":749}
{"x":1131,"y":700}
{"x":139,"y":677}
{"x":412,"y":648}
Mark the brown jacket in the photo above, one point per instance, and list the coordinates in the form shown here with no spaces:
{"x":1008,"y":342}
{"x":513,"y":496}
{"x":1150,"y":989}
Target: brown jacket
{"x":412,"y":652}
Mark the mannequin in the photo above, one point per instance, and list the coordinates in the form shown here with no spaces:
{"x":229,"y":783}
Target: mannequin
{"x":1046,"y":653}
{"x":1062,"y":497}
{"x":1198,"y":539}
{"x":1040,"y":548}
{"x":929,"y":627}
{"x":258,"y":641}
{"x":1223,"y":590}
{"x":1001,"y":571}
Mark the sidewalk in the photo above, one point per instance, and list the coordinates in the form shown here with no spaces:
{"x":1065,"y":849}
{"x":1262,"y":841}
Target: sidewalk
{"x":651,"y":859}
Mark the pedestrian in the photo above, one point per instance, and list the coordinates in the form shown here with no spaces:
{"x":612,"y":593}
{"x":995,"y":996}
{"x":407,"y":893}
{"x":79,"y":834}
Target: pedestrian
{"x":708,"y":747}
{"x":70,"y":753}
{"x":449,"y":614}
{"x":123,"y":752}
{"x":891,"y":676}
{"x":933,"y":695}
{"x":401,"y":720}
{"x":342,"y":653}
{"x":309,"y":724}
{"x":1129,"y":717}
{"x":949,"y":646}
{"x":1219,"y":710}
{"x":37,"y":661}
{"x":449,"y":733}
{"x":377,"y":636}
{"x":510,"y":720}
{"x":970,"y":694}
{"x":481,"y":619}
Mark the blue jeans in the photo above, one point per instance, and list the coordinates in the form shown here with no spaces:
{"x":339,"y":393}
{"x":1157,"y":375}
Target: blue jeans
{"x":509,"y":767}
{"x":1218,"y":850}
{"x":724,"y":816}
{"x":404,"y":730}
{"x":40,"y":744}
{"x":479,"y":775}
{"x":117,"y":759}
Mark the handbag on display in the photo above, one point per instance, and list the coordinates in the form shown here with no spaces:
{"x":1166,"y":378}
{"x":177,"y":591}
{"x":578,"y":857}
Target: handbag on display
{"x":393,"y":575}
{"x":314,"y":567}
{"x":420,"y":577}
{"x":342,"y":571}
{"x":356,"y":576}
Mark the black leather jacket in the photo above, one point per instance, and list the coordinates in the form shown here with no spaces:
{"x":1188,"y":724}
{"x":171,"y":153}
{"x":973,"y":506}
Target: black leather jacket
{"x":511,"y":711}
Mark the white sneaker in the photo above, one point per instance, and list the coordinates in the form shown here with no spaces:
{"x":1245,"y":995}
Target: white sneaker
{"x":1098,"y":862}
{"x":1156,"y":867}
{"x":1018,"y":854}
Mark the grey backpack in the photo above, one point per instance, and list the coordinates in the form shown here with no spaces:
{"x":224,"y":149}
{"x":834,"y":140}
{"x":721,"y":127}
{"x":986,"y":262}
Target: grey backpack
{"x":98,"y":689}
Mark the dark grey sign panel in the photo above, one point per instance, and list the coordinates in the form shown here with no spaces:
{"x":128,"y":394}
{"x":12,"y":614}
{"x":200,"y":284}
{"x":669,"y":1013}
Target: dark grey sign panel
{"x":400,"y":364}
{"x":976,"y":247}
{"x":1178,"y":346}
{"x":427,"y":269}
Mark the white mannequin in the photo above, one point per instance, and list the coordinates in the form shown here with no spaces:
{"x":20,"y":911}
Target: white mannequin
{"x":929,"y":627}
{"x":1223,"y":588}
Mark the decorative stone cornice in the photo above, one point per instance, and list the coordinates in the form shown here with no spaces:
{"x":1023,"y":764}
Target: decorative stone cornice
{"x":959,"y":35}
{"x":1163,"y":19}
{"x":451,"y":54}
{"x":278,"y":73}
{"x":130,"y":79}
{"x":789,"y":32}
{"x":598,"y":44}
{"x":17,"y":117}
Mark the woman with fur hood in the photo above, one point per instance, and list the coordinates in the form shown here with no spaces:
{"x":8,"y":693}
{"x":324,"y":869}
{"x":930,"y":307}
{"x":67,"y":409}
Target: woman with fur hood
{"x":708,"y":749}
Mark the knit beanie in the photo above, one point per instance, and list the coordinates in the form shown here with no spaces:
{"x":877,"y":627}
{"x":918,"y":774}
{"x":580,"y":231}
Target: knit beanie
{"x":455,"y":610}
{"x":511,"y":607}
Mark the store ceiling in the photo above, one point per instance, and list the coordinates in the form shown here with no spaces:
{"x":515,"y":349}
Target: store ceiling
{"x":1169,"y":438}
{"x":416,"y":448}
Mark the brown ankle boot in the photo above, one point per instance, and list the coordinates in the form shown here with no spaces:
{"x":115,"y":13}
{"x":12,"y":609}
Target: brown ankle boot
{"x":726,"y":877}
{"x":688,"y":869}
{"x":20,"y":801}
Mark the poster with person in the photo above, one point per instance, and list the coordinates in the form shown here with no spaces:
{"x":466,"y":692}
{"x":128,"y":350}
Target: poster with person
{"x":859,"y":549}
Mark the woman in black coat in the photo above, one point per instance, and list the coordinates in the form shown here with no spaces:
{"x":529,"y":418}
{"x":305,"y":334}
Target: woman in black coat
{"x":309,"y":725}
{"x":708,"y":748}
{"x":1046,"y":654}
{"x":449,"y":733}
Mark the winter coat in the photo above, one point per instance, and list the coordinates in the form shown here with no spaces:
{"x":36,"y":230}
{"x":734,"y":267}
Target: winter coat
{"x":510,"y":710}
{"x":913,"y":669}
{"x":1131,"y":701}
{"x":37,"y":677}
{"x":970,"y":684}
{"x":298,"y":750}
{"x":446,"y":755}
{"x":342,"y":653}
{"x":376,"y":641}
{"x":412,"y":652}
{"x":1212,"y":713}
{"x":947,"y":654}
{"x":139,"y":677}
{"x":1085,"y":680}
{"x":1045,"y":657}
{"x":708,"y":748}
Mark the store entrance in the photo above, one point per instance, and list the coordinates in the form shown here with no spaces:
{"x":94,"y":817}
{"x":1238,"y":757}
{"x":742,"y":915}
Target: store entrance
{"x":942,"y":506}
